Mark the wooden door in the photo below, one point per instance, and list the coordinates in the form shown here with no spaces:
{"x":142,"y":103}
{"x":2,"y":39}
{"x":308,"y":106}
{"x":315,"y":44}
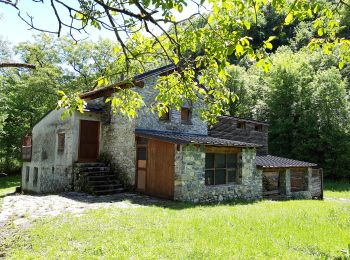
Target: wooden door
{"x":160,"y":169}
{"x":88,"y":141}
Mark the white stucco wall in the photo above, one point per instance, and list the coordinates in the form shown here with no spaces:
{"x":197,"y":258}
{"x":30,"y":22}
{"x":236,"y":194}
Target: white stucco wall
{"x":54,"y":168}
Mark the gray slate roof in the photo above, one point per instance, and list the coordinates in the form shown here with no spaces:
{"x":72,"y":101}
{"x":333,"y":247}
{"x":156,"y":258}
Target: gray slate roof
{"x":269,"y":161}
{"x":95,"y":107}
{"x":184,"y":138}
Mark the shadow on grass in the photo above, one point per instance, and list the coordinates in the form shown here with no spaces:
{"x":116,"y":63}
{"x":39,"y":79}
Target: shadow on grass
{"x":10,"y":181}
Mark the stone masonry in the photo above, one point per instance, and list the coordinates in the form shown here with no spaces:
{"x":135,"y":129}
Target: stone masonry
{"x":190,"y":178}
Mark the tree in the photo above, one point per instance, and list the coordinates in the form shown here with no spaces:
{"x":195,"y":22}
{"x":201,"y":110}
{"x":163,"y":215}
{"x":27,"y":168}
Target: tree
{"x":224,"y":34}
{"x":26,"y":95}
{"x":305,"y":100}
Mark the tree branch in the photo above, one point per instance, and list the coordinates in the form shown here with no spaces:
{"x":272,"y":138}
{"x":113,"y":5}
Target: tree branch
{"x":16,"y":65}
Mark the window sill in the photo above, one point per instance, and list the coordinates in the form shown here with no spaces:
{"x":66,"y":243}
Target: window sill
{"x":186,"y":123}
{"x":224,"y":185}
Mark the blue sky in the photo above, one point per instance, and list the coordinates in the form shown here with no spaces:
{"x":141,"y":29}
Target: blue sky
{"x":13,"y":29}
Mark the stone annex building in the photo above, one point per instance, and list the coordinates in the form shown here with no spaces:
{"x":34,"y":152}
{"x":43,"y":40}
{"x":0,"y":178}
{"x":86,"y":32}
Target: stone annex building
{"x":174,"y":157}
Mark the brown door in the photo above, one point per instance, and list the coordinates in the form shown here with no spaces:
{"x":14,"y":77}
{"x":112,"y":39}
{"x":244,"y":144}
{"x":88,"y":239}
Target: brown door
{"x":160,"y":169}
{"x":88,"y":141}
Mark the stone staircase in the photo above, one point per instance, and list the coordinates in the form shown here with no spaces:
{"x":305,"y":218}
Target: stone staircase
{"x":97,"y":179}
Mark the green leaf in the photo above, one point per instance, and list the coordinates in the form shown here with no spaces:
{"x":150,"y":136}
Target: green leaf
{"x":320,"y":31}
{"x":341,"y":64}
{"x":247,"y":24}
{"x":288,"y":19}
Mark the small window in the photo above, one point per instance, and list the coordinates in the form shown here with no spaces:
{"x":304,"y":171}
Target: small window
{"x":258,"y":128}
{"x":222,"y":168}
{"x":61,"y":142}
{"x":35,"y":176}
{"x":241,"y":125}
{"x":165,"y":116}
{"x":185,"y":115}
{"x":27,"y":173}
{"x":141,"y":153}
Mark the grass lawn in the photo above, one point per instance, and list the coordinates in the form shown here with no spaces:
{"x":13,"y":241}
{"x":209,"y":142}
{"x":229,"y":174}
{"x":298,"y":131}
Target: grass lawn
{"x":299,"y":229}
{"x":264,"y":229}
{"x":334,"y":189}
{"x":8,"y":184}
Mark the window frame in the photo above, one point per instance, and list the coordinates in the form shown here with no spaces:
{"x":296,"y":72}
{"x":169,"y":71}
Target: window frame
{"x":189,"y":115}
{"x":61,"y":145}
{"x":165,"y":117}
{"x":258,"y":128}
{"x":241,"y":125}
{"x":238,"y":172}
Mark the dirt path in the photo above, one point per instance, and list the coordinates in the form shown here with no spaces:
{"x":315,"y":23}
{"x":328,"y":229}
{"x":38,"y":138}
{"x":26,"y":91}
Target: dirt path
{"x":22,"y":209}
{"x":337,"y":199}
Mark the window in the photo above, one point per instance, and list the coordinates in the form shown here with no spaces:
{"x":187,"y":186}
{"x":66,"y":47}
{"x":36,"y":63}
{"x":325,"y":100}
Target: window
{"x":258,"y":128}
{"x":165,"y":116}
{"x":35,"y":177}
{"x":27,"y":148}
{"x":222,"y":168}
{"x":185,"y":115}
{"x":61,"y":142}
{"x":27,"y":173}
{"x":241,"y":125}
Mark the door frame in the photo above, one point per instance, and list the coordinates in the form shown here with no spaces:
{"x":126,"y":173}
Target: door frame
{"x":145,"y":191}
{"x":98,"y":140}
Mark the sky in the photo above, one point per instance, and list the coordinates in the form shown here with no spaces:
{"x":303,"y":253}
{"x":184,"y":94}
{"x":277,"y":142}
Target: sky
{"x":14,"y":30}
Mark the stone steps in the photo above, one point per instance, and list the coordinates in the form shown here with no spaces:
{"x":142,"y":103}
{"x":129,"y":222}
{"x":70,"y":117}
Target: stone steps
{"x":99,"y":180}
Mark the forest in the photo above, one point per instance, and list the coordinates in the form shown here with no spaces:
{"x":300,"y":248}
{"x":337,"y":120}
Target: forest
{"x":302,"y":92}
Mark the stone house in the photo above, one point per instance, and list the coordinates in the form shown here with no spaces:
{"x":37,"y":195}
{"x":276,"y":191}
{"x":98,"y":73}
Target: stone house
{"x":175,"y":156}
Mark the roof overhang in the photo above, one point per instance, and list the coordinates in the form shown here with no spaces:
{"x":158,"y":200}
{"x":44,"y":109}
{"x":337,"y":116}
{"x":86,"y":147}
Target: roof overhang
{"x":269,"y":161}
{"x":137,"y":81}
{"x":187,"y":138}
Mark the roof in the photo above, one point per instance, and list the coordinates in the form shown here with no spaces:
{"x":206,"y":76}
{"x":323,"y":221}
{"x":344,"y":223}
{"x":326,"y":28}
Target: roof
{"x":226,"y":124}
{"x":136,"y":81}
{"x":185,"y":138}
{"x":94,"y":107}
{"x":270,"y":161}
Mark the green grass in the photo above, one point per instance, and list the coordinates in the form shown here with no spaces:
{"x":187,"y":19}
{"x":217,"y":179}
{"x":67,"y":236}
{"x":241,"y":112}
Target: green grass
{"x":334,"y":189}
{"x":8,"y":184}
{"x":288,"y":230}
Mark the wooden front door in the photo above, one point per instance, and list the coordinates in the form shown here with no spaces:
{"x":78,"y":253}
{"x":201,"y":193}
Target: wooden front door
{"x":155,"y":169}
{"x":160,"y":170}
{"x":88,"y":141}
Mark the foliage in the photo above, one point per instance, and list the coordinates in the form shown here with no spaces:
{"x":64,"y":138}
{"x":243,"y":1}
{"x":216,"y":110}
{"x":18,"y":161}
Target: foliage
{"x":337,"y":189}
{"x":26,"y":95}
{"x":289,"y":229}
{"x":305,"y":100}
{"x":231,"y":30}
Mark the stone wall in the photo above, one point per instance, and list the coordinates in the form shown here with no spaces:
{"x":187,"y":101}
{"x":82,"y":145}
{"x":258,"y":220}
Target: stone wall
{"x":118,"y":144}
{"x":147,"y":120}
{"x":190,"y":178}
{"x":50,"y":170}
{"x":300,"y":194}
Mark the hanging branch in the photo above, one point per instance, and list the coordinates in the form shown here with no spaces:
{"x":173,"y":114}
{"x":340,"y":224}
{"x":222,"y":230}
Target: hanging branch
{"x":16,"y":65}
